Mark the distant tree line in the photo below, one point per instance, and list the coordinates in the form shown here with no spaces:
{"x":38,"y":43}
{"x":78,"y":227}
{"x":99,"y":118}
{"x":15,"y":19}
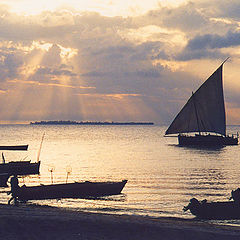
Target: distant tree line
{"x":60,"y":122}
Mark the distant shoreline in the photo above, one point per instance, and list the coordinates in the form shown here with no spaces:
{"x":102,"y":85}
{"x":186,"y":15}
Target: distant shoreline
{"x":88,"y":123}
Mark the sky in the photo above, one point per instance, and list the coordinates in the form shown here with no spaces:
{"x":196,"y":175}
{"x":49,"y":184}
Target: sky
{"x":114,"y":60}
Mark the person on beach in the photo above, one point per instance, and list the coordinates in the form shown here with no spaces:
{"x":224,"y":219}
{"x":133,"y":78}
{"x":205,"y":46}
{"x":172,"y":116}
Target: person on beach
{"x":14,"y":189}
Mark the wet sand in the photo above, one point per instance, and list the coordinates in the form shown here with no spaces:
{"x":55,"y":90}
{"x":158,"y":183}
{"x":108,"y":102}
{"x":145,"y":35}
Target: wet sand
{"x":43,"y":222}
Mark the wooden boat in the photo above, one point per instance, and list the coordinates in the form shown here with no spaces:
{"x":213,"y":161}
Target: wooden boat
{"x":15,"y":148}
{"x":3,"y":179}
{"x":204,"y":114}
{"x":17,"y":167}
{"x":214,"y":210}
{"x":20,"y":168}
{"x":70,"y":190}
{"x":206,"y":140}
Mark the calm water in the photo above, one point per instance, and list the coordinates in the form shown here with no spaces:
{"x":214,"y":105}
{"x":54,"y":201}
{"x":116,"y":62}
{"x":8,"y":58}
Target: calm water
{"x":162,"y":177}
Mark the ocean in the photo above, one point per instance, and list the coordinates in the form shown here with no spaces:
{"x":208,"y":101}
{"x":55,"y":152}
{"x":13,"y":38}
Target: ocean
{"x":162,"y":177}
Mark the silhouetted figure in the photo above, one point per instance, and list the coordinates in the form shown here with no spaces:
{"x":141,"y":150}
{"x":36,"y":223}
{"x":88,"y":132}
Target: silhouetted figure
{"x":193,"y":203}
{"x":14,"y":189}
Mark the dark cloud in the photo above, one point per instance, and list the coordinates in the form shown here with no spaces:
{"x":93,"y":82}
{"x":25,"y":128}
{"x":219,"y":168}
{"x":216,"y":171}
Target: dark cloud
{"x":209,"y":46}
{"x":54,"y":72}
{"x":220,"y":9}
{"x":211,"y":41}
{"x":196,"y":54}
{"x":10,"y":61}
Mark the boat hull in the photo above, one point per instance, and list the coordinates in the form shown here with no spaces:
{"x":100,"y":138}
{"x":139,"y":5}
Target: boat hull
{"x":19,"y":168}
{"x":15,"y":148}
{"x":3,"y":179}
{"x":70,"y":190}
{"x":214,"y":210}
{"x":206,"y":140}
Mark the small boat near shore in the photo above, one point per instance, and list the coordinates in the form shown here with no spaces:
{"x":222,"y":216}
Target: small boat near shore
{"x":216,"y":210}
{"x":20,"y":168}
{"x":3,"y":179}
{"x":70,"y":190}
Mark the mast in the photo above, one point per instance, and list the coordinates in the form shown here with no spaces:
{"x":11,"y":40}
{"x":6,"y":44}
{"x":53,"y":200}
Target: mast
{"x":39,"y":151}
{"x":225,"y":60}
{"x":195,"y":109}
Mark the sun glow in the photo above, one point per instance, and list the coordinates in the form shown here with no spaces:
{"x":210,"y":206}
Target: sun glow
{"x":31,"y":85}
{"x":67,"y":52}
{"x":110,"y":59}
{"x":41,"y":45}
{"x":154,"y":33}
{"x":104,"y":7}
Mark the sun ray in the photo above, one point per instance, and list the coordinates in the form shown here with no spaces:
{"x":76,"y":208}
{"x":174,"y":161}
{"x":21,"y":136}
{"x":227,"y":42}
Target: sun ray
{"x":104,"y":7}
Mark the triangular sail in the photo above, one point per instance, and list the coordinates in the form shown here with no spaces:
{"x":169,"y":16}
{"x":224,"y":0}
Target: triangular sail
{"x":204,"y":111}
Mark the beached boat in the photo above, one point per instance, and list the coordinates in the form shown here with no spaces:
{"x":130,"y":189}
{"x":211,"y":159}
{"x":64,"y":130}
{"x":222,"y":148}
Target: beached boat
{"x":214,"y":210}
{"x":204,"y":115}
{"x":20,"y":168}
{"x":16,"y":167}
{"x":3,"y":179}
{"x":70,"y":190}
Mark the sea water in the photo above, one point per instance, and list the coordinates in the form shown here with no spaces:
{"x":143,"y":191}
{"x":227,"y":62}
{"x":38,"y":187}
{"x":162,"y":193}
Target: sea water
{"x":162,"y":177}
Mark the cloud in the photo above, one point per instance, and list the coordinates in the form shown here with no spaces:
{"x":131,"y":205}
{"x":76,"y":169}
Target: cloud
{"x":184,"y":17}
{"x":197,"y":54}
{"x":88,"y":66}
{"x":221,"y":9}
{"x":10,"y":61}
{"x":212,"y":41}
{"x":55,"y":72}
{"x":106,"y":63}
{"x":209,"y":46}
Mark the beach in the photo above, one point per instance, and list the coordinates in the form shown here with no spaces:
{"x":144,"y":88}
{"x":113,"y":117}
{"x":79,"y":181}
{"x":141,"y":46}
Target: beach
{"x":44,"y":222}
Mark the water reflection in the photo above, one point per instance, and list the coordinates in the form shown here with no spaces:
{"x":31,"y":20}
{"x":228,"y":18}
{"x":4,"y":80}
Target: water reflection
{"x":118,"y":198}
{"x":211,"y":148}
{"x":201,"y":149}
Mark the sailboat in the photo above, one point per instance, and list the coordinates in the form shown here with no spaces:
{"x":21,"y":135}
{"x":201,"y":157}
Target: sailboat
{"x":204,"y":115}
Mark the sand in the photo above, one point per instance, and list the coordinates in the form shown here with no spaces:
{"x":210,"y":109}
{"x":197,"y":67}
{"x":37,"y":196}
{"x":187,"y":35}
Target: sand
{"x":30,"y":222}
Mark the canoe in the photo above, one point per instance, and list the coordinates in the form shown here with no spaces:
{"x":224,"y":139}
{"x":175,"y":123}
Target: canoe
{"x":70,"y":190}
{"x":214,"y":210}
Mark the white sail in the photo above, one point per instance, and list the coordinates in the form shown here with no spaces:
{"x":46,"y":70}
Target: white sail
{"x":204,"y":111}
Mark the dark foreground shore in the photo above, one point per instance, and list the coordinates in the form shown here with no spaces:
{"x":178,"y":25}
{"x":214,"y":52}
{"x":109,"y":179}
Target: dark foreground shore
{"x":30,"y":222}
